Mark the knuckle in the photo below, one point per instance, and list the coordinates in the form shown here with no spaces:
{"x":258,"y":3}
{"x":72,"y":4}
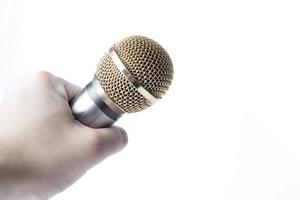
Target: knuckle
{"x":42,"y":77}
{"x":41,"y":74}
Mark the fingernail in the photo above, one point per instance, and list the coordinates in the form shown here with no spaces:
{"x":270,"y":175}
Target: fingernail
{"x":124,"y":135}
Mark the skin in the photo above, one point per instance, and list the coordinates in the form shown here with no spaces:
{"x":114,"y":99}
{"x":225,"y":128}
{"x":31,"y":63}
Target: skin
{"x":43,"y":149}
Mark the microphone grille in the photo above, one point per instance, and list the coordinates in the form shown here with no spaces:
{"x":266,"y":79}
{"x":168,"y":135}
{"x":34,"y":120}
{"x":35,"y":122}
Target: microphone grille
{"x":146,"y":61}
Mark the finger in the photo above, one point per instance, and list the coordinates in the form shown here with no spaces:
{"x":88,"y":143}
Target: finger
{"x":45,"y":79}
{"x":101,"y":143}
{"x":71,"y":89}
{"x":67,"y":89}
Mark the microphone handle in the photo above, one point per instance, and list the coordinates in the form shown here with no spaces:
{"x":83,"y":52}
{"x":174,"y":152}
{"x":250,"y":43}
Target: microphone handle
{"x":89,"y":107}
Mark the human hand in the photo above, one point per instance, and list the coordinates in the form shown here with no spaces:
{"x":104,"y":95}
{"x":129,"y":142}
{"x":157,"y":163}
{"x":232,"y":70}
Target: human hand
{"x":43,"y":149}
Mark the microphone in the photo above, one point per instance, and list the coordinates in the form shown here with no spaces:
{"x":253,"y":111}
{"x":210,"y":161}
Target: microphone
{"x":134,"y":74}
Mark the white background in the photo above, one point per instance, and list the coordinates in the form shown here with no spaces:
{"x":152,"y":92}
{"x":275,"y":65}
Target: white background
{"x":227,"y":129}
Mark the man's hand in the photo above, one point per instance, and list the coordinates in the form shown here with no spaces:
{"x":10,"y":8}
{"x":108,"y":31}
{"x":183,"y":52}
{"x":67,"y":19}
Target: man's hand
{"x":43,"y":149}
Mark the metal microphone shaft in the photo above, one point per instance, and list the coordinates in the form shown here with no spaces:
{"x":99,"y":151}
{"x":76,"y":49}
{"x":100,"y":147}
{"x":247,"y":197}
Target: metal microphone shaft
{"x":92,"y":107}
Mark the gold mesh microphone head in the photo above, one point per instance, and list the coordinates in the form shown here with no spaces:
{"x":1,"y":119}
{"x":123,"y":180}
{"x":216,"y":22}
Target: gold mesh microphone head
{"x":135,"y":73}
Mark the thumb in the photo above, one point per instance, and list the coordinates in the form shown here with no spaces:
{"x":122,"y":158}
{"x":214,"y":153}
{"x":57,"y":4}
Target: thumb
{"x":101,"y":143}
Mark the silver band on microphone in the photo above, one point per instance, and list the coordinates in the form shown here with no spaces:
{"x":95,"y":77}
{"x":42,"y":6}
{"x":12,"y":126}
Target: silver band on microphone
{"x":94,"y":108}
{"x":134,"y":82}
